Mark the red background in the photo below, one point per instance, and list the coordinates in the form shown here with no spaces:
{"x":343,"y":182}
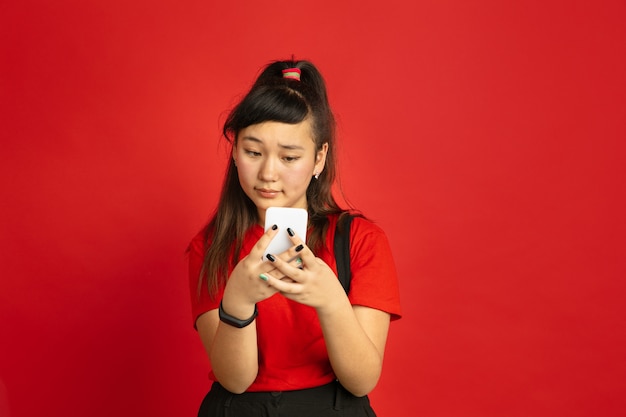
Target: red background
{"x":486,"y":137}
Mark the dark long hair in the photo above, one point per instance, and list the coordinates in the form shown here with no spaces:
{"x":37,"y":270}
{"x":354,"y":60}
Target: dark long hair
{"x":271,"y":98}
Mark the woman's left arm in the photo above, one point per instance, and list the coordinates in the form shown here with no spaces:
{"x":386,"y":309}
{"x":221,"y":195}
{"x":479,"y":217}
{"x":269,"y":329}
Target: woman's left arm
{"x":355,"y":336}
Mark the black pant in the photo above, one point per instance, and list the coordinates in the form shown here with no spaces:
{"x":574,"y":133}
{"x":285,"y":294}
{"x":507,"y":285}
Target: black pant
{"x":328,"y":400}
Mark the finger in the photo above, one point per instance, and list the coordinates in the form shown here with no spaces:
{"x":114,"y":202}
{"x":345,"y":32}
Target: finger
{"x":292,"y":269}
{"x":265,"y":276}
{"x":293,"y":236}
{"x":270,"y":280}
{"x":285,"y":285}
{"x":290,"y":253}
{"x":297,"y":262}
{"x":262,"y":244}
{"x":305,"y":254}
{"x":286,"y":256}
{"x":292,"y":256}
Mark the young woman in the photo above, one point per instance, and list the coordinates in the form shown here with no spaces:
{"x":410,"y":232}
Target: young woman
{"x":282,"y":336}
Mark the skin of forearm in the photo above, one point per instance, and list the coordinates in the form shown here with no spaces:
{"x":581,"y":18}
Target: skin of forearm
{"x":355,"y":359}
{"x":234,"y":357}
{"x":234,"y":352}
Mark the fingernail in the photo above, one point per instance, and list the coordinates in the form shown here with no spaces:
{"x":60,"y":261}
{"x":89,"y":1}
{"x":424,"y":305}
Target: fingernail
{"x":299,"y":247}
{"x":264,"y":277}
{"x":270,"y":257}
{"x":275,"y":227}
{"x":291,"y":233}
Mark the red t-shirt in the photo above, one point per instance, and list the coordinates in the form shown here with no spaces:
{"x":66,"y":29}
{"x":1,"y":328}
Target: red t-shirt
{"x":292,"y":352}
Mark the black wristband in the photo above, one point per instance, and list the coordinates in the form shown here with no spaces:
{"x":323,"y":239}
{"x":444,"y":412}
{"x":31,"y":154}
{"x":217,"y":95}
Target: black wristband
{"x":234,"y":321}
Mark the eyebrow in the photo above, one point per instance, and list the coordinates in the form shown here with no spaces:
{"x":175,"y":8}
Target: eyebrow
{"x":259,"y":141}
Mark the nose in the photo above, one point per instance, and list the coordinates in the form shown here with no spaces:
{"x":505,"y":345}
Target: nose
{"x":268,"y":170}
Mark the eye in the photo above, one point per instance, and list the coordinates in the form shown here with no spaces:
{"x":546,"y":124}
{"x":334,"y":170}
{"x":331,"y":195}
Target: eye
{"x":252,"y":153}
{"x":290,"y":158}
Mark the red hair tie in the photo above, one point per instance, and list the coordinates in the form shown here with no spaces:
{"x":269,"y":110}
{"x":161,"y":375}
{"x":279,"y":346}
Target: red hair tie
{"x":292,"y":73}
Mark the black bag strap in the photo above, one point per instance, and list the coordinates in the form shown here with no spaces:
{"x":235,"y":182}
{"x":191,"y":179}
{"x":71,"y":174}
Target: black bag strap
{"x":342,"y":251}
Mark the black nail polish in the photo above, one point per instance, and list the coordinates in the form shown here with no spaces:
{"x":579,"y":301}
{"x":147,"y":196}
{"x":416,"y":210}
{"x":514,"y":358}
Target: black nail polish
{"x":270,"y":257}
{"x":299,"y":247}
{"x":275,"y":227}
{"x":291,"y":232}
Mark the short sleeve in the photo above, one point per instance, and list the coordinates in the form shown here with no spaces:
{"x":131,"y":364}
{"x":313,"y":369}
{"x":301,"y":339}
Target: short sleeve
{"x":201,"y":302}
{"x":374,"y":280}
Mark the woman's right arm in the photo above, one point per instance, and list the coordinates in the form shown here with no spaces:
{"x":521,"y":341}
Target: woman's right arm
{"x":233,"y":351}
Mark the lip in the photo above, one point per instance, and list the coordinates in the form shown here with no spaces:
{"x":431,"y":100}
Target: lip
{"x":267,"y":193}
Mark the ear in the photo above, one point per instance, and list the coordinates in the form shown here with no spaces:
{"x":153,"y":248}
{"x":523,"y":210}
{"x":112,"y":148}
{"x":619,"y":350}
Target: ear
{"x":320,"y":159}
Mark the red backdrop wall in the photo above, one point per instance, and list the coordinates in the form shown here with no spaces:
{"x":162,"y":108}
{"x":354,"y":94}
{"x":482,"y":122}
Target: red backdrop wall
{"x":486,"y":137}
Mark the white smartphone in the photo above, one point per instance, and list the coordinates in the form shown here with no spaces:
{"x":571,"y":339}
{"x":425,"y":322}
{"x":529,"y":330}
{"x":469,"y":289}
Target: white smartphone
{"x":284,"y":217}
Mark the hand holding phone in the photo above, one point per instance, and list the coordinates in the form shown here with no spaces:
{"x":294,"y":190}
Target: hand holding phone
{"x":284,"y":217}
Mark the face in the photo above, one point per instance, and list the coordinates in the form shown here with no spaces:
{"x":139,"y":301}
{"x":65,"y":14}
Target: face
{"x":276,"y":162}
